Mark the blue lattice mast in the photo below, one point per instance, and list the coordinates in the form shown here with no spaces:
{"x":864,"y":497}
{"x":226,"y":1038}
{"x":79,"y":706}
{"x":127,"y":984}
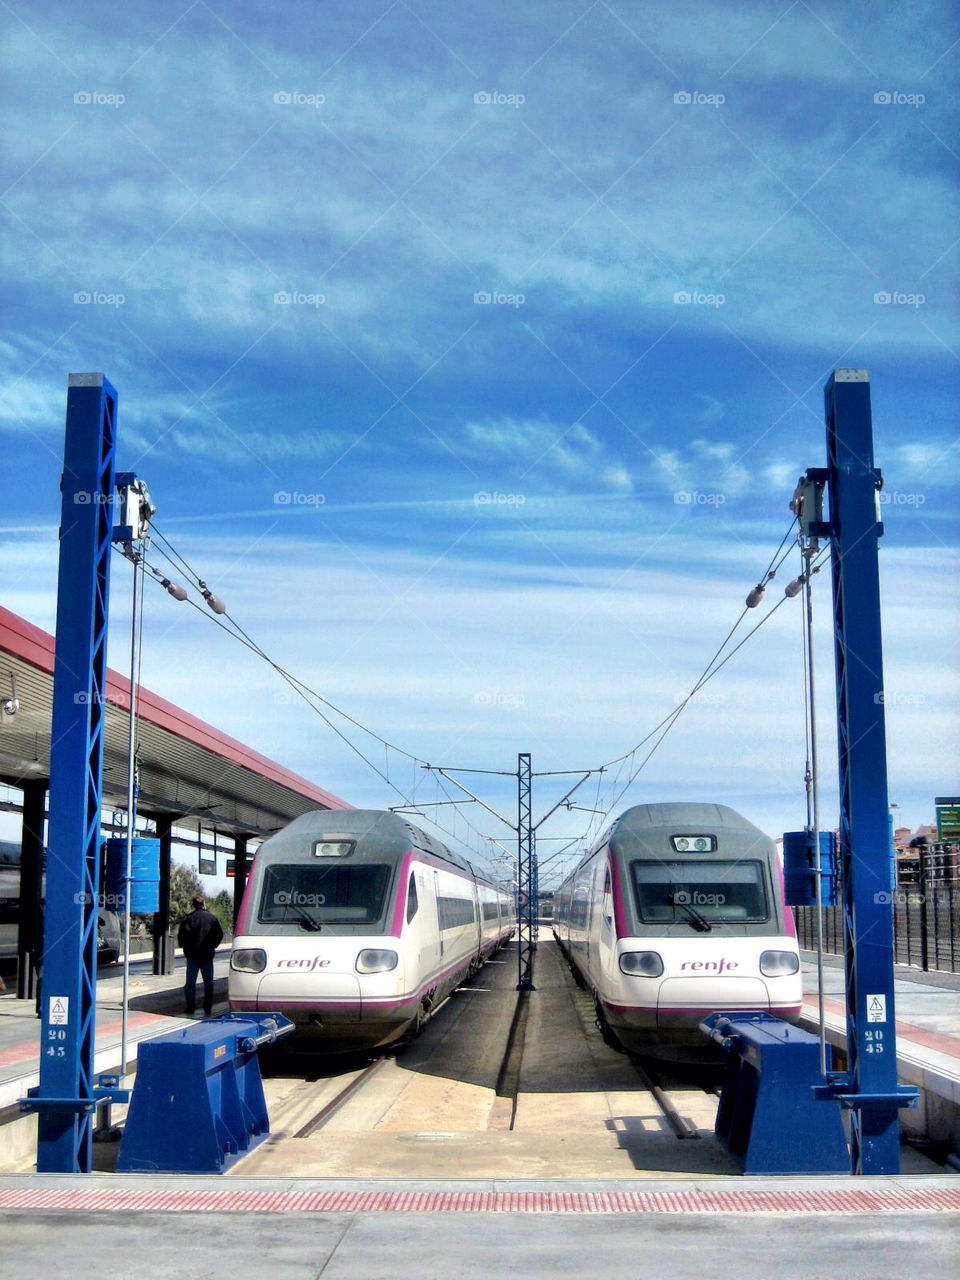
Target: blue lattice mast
{"x":67,"y":1093}
{"x":869,"y":1088}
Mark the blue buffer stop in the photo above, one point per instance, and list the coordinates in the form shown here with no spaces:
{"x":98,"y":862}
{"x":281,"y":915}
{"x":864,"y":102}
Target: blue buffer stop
{"x":198,"y":1103}
{"x":769,"y":1118}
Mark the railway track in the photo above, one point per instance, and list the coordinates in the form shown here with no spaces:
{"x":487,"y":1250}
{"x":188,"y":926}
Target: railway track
{"x":659,"y":1080}
{"x":308,"y":1094}
{"x":329,"y":1109}
{"x":497,"y":1079}
{"x":651,"y":1082}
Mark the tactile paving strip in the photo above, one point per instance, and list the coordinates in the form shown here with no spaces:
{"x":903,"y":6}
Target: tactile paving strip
{"x":193,"y":1200}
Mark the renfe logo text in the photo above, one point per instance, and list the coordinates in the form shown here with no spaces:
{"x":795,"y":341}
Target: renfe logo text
{"x":307,"y":963}
{"x":710,"y":966}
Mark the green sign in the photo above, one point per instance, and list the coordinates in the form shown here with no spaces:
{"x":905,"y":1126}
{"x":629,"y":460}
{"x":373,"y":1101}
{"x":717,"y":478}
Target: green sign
{"x":948,"y":817}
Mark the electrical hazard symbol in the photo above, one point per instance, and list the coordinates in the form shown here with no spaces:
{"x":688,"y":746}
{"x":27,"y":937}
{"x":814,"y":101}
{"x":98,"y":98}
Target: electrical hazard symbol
{"x":876,"y":1008}
{"x":59,"y":1011}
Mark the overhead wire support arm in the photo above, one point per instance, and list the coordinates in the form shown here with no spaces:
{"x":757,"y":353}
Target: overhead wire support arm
{"x":551,"y":812}
{"x":448,"y":769}
{"x":506,"y":821}
{"x":426,"y":804}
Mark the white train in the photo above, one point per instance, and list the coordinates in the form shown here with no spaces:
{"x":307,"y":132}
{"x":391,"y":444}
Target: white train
{"x":356,"y":925}
{"x":678,"y":911}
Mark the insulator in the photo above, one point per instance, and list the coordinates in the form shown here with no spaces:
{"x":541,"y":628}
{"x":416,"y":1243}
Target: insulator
{"x":794,"y":588}
{"x":175,"y":589}
{"x":215,"y":603}
{"x":755,"y":596}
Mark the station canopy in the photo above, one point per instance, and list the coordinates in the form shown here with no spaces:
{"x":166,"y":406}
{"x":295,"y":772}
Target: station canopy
{"x":187,"y":768}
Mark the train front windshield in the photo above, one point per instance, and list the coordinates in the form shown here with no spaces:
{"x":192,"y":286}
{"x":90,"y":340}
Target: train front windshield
{"x":700,"y":893}
{"x":311,"y":897}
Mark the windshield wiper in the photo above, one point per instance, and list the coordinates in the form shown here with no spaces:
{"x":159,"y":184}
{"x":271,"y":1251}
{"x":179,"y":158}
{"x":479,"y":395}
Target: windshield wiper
{"x":306,"y":921}
{"x":696,"y":920}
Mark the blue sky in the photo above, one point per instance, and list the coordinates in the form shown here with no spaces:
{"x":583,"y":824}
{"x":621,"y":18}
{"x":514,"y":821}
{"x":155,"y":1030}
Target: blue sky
{"x":387,"y":167}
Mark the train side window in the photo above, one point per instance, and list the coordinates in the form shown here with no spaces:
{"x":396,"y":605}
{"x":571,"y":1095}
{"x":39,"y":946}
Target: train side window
{"x":412,"y":902}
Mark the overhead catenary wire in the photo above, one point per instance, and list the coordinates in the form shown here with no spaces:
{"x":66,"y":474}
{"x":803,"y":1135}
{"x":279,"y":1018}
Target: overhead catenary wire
{"x":311,"y":696}
{"x":625,"y":763}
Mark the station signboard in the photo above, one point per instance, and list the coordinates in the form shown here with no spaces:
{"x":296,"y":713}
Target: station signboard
{"x":948,"y":817}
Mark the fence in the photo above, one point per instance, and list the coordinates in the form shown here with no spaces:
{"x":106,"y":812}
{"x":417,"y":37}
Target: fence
{"x":926,"y":927}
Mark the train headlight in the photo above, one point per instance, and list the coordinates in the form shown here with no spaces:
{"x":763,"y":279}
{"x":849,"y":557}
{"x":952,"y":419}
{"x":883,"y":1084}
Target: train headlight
{"x":248,"y":960}
{"x":645,"y":964}
{"x":374,"y":960}
{"x":779,"y":964}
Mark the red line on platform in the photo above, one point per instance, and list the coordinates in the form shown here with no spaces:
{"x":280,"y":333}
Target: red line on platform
{"x":30,"y":1052}
{"x":811,"y":1200}
{"x":949,"y":1045}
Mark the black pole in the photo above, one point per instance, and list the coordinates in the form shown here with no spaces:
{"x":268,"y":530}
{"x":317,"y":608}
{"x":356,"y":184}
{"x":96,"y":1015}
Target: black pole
{"x":924,"y":881}
{"x":162,"y":962}
{"x":239,"y":873}
{"x":30,"y":924}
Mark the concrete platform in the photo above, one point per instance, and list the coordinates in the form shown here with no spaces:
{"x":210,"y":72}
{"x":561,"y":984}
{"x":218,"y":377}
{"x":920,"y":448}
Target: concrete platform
{"x":383,"y":1230}
{"x":928,"y":1039}
{"x":155,"y":1007}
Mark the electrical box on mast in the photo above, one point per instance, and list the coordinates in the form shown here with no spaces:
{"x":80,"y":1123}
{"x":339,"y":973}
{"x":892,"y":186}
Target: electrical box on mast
{"x":136,"y":509}
{"x":807,"y":502}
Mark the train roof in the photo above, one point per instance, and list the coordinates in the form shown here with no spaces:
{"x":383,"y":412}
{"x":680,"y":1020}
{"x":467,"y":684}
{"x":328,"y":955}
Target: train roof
{"x":393,"y":833}
{"x":680,"y":814}
{"x":677,"y":817}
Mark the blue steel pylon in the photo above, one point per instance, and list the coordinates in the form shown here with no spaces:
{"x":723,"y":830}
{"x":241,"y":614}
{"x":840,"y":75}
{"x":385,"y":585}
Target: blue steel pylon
{"x":67,"y":1095}
{"x":869,"y":1087}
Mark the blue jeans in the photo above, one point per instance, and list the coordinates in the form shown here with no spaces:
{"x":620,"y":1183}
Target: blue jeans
{"x":205,"y":969}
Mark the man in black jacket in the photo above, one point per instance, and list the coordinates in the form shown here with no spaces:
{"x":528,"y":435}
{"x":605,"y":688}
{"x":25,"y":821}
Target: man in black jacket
{"x":199,"y":935}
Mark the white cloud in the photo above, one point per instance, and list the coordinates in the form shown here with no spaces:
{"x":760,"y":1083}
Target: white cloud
{"x":545,"y":448}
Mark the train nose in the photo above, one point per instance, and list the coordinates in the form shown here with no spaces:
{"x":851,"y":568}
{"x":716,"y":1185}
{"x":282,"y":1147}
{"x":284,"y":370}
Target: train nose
{"x":678,"y":998}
